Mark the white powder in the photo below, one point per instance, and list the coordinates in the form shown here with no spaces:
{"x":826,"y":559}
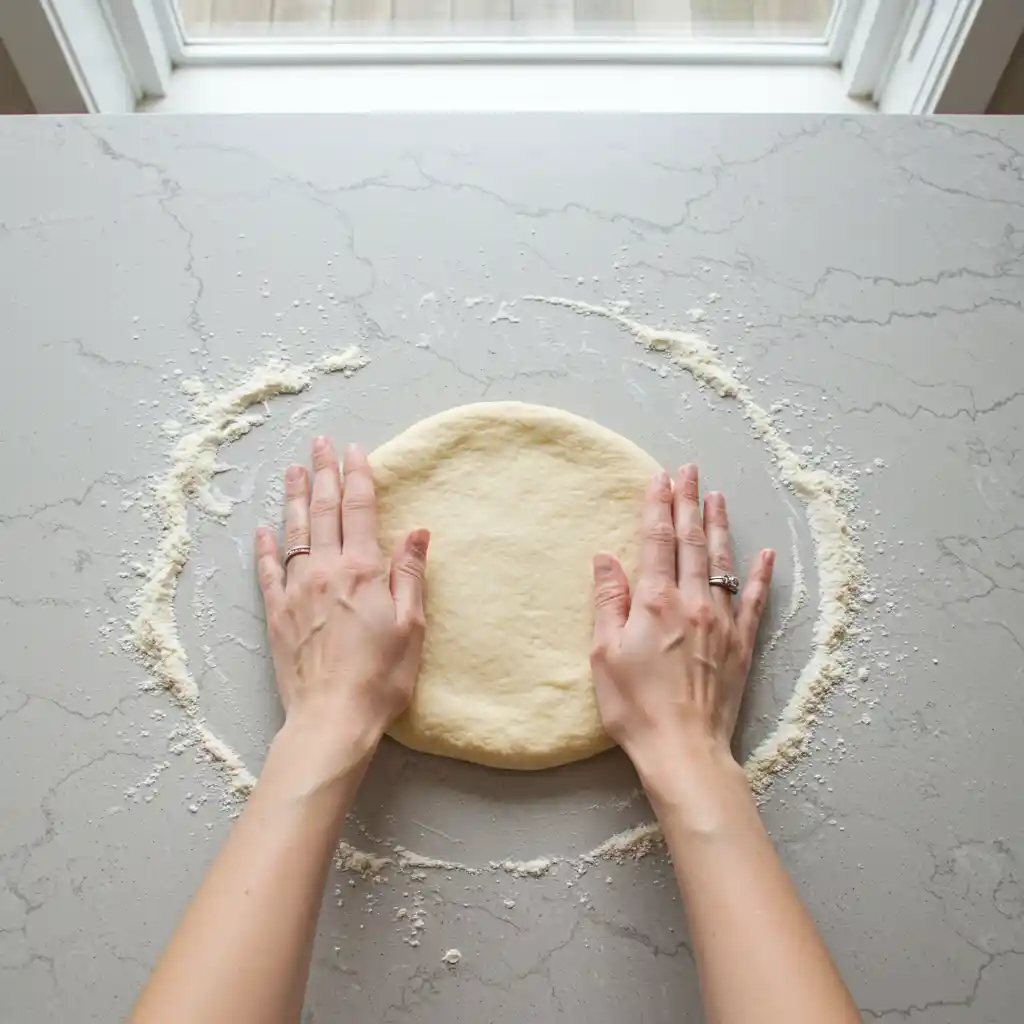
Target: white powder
{"x":837,"y":553}
{"x":505,"y":313}
{"x":349,"y":858}
{"x":240,"y":778}
{"x":452,"y":957}
{"x":218,"y":419}
{"x":536,"y":868}
{"x":225,"y":417}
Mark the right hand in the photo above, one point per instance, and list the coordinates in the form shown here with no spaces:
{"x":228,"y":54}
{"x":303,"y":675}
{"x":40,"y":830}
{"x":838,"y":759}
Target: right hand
{"x":670,"y":661}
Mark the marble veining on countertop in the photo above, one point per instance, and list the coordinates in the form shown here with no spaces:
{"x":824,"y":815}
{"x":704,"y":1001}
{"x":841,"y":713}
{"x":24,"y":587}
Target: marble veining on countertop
{"x":865,"y":278}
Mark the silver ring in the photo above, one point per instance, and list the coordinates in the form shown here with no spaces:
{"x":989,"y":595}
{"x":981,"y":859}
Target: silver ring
{"x":299,"y":549}
{"x":726,"y":580}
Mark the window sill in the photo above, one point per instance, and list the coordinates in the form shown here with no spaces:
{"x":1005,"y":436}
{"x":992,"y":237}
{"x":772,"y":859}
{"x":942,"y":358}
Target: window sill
{"x":507,"y":88}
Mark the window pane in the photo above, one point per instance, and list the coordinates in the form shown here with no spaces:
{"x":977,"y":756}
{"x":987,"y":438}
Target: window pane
{"x":566,"y":19}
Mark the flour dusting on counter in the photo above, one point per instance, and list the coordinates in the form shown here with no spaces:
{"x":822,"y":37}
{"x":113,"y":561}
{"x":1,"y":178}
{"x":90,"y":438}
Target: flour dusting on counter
{"x":837,"y":552}
{"x":218,"y":418}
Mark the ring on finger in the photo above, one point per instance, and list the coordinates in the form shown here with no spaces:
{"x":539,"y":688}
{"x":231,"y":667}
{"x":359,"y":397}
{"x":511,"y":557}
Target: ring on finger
{"x":297,"y":549}
{"x":727,"y":581}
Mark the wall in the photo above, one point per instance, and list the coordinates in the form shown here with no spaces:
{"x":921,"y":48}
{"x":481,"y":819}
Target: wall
{"x":1009,"y":94}
{"x":13,"y":97}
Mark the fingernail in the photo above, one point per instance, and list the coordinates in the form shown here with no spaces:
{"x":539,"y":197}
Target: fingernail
{"x":262,"y":532}
{"x":352,"y":449}
{"x":769,"y":558}
{"x":294,"y":474}
{"x":319,"y":444}
{"x":602,"y":565}
{"x":420,"y":541}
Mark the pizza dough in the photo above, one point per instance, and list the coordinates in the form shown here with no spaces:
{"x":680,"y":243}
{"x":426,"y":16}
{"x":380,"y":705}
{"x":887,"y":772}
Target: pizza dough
{"x":518,"y":499}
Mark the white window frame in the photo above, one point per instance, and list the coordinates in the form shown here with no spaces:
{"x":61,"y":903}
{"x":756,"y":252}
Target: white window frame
{"x":907,"y":56}
{"x":271,"y":50}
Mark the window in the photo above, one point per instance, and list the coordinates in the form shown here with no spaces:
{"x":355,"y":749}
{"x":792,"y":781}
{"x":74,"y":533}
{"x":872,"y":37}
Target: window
{"x":491,"y":19}
{"x":899,"y":56}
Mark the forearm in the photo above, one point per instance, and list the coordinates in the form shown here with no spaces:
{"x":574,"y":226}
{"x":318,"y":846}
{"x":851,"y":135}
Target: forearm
{"x":243,"y":949}
{"x":757,"y":951}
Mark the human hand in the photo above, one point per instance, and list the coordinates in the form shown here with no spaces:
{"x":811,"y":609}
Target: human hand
{"x":346,"y":630}
{"x":670,"y":662}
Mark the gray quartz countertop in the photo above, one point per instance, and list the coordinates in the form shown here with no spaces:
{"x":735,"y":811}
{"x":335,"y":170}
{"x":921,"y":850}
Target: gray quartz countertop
{"x":864,"y":277}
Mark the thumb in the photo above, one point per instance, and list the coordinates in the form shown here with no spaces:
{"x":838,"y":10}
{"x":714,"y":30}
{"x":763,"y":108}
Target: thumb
{"x":408,"y":570}
{"x":611,"y":597}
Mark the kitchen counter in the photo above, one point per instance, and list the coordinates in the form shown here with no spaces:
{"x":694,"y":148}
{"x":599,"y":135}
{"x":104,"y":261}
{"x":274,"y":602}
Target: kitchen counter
{"x":862,"y":277}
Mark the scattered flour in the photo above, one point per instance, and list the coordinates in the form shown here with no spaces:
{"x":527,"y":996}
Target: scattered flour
{"x":221,"y":418}
{"x":349,"y":858}
{"x":536,"y":868}
{"x":837,"y":552}
{"x":218,"y":419}
{"x":505,"y":313}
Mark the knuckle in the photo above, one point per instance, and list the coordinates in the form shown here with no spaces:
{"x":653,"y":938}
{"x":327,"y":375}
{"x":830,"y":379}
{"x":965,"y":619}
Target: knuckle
{"x":325,"y":459}
{"x":414,"y":622}
{"x":319,"y":579}
{"x":361,"y":569}
{"x":357,"y":497}
{"x":702,"y":616}
{"x":660,"y":532}
{"x":720,"y":562}
{"x":295,"y":533}
{"x":754,"y":597}
{"x":410,"y":567}
{"x":657,"y":597}
{"x":693,"y":535}
{"x":277,"y":621}
{"x":323,"y":507}
{"x":607,"y":594}
{"x":690,"y":490}
{"x":715,"y":513}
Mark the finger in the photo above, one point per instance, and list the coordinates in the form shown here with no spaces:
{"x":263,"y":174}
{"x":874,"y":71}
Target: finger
{"x":692,"y":555}
{"x":716,"y":529}
{"x":611,"y":599}
{"x":296,"y":518}
{"x":269,"y":570}
{"x":752,"y":600}
{"x":408,"y":572}
{"x":325,"y":508}
{"x":359,"y":506}
{"x":658,"y":546}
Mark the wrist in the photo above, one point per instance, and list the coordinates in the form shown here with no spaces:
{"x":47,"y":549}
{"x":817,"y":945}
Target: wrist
{"x":695,"y":780}
{"x":313,"y":755}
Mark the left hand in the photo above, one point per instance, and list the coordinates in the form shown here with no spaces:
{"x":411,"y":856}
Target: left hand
{"x":346,"y":630}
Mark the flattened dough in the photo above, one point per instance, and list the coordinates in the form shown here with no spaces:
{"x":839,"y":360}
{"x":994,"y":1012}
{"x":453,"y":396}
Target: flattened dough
{"x":518,"y":498}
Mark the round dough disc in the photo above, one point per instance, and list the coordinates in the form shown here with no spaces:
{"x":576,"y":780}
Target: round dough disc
{"x":518,"y":499}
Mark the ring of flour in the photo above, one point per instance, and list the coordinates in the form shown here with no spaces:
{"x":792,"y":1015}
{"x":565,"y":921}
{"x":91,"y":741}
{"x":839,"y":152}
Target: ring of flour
{"x":220,"y":418}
